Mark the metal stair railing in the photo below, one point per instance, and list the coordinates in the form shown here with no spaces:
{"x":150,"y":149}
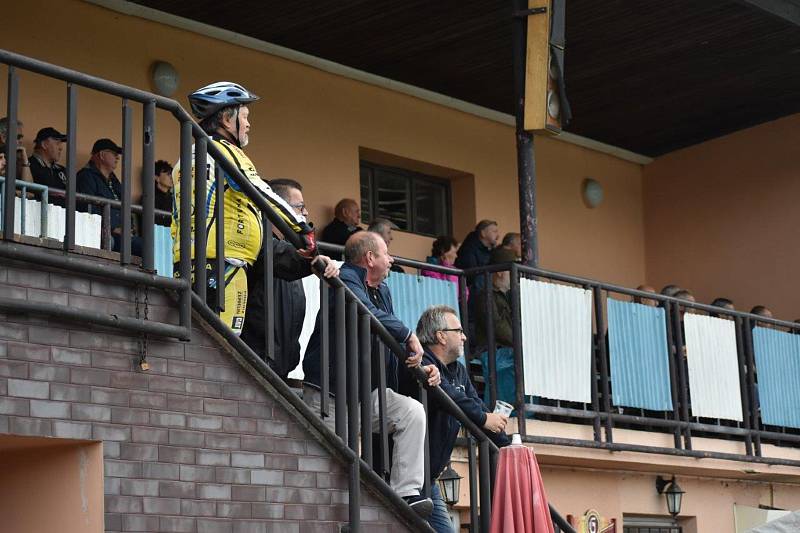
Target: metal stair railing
{"x":362,"y":328}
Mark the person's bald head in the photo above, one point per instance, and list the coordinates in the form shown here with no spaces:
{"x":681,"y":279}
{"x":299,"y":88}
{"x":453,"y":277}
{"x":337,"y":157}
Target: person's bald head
{"x":645,"y":301}
{"x":368,"y":250}
{"x":348,"y":211}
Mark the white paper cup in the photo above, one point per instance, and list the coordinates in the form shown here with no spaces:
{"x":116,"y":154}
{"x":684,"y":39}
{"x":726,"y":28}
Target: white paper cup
{"x":503,"y":408}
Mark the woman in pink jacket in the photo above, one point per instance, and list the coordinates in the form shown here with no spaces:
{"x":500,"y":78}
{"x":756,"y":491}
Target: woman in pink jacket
{"x":443,"y":253}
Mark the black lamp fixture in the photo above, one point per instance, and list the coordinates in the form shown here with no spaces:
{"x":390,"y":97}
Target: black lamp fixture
{"x":672,"y":492}
{"x":450,"y":485}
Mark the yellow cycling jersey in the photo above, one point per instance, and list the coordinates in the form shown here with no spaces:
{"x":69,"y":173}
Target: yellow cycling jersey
{"x":242,"y":218}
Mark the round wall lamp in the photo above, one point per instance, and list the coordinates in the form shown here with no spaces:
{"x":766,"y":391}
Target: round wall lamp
{"x":165,"y":78}
{"x":592,"y":193}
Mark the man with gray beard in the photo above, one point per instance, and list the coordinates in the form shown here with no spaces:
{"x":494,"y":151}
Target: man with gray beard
{"x":442,"y":338}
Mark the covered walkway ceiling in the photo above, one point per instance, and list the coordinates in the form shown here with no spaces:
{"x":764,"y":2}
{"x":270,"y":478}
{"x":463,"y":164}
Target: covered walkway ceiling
{"x":650,"y":76}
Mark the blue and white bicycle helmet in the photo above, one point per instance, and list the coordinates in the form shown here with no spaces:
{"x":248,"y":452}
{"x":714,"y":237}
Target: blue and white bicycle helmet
{"x":209,"y":99}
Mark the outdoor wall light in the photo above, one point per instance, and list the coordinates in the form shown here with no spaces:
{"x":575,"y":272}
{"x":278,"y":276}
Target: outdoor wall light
{"x":672,"y":492}
{"x":592,"y":193}
{"x":165,"y":78}
{"x":450,"y":485}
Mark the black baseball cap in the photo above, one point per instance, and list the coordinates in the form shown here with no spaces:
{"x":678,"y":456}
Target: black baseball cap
{"x":106,"y":144}
{"x":49,"y":133}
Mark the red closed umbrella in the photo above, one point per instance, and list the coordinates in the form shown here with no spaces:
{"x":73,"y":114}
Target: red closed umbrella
{"x":520,"y":503}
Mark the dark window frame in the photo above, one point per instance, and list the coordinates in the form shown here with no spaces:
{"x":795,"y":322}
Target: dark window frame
{"x":369,"y":212}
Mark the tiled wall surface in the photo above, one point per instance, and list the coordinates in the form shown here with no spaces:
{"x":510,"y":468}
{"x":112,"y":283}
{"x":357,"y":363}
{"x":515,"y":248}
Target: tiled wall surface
{"x":195,"y":444}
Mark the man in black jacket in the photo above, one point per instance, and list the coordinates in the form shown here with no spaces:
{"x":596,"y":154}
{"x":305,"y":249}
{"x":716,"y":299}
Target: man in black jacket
{"x":289,"y":267}
{"x":440,"y":332}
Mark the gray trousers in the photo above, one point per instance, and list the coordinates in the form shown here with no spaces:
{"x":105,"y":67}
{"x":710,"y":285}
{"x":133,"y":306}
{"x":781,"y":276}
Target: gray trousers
{"x":405,"y":421}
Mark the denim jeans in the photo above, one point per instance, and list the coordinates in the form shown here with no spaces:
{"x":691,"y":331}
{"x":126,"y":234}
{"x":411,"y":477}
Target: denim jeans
{"x":440,"y":517}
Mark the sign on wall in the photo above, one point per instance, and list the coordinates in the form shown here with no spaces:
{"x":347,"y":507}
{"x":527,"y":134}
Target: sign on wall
{"x":592,"y":522}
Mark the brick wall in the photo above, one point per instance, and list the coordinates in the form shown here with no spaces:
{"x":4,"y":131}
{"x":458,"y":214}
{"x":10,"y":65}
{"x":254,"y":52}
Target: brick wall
{"x":195,"y":444}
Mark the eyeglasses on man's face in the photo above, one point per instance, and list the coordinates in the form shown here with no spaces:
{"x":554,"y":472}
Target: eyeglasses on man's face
{"x":459,"y":330}
{"x":300,"y":207}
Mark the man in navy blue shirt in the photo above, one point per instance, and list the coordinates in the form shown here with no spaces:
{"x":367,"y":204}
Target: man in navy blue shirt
{"x":97,"y":178}
{"x":367,"y":263}
{"x":442,"y":337}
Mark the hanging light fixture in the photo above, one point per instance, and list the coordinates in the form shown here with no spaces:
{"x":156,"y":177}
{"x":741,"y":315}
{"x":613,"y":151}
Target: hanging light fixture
{"x":672,"y":492}
{"x":450,"y":485}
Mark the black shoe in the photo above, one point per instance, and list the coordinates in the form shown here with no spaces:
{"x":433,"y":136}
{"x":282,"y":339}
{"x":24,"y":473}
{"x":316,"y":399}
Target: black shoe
{"x":422,"y":506}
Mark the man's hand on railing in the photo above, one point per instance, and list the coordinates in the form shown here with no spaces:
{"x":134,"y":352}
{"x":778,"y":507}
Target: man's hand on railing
{"x":414,"y":350}
{"x":495,"y":422}
{"x":331,"y":268}
{"x":434,"y":377}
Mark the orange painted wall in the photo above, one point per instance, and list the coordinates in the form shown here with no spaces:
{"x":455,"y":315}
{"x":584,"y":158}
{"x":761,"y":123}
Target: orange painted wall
{"x":311,"y":124}
{"x":49,"y":487}
{"x":721,"y":218}
{"x":707,"y":504}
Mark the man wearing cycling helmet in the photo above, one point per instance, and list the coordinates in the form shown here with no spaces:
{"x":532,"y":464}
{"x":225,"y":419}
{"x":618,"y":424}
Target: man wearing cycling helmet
{"x":221,"y":109}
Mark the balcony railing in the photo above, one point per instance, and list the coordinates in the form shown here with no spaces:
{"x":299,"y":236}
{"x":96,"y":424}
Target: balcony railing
{"x":584,"y":352}
{"x":361,"y":331}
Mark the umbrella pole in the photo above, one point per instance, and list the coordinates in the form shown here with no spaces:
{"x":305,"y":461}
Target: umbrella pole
{"x":485,"y":486}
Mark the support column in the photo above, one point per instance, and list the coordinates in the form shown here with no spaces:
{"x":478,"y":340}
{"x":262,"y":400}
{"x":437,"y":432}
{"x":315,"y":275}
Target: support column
{"x":526,"y":163}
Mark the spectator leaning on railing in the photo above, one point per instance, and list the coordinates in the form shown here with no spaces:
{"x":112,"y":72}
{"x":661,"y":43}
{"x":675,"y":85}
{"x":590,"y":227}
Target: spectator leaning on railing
{"x":442,"y":337}
{"x":97,"y":178}
{"x":223,"y":112}
{"x":289,"y":296}
{"x":47,"y":148}
{"x":367,"y":263}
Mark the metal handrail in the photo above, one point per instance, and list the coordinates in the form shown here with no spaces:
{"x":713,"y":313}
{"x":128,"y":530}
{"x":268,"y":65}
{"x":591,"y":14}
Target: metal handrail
{"x":450,"y":406}
{"x":487,"y":446}
{"x":681,"y":425}
{"x":611,"y":287}
{"x":744,"y":320}
{"x":190,"y":132}
{"x":312,"y":420}
{"x":161,"y":102}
